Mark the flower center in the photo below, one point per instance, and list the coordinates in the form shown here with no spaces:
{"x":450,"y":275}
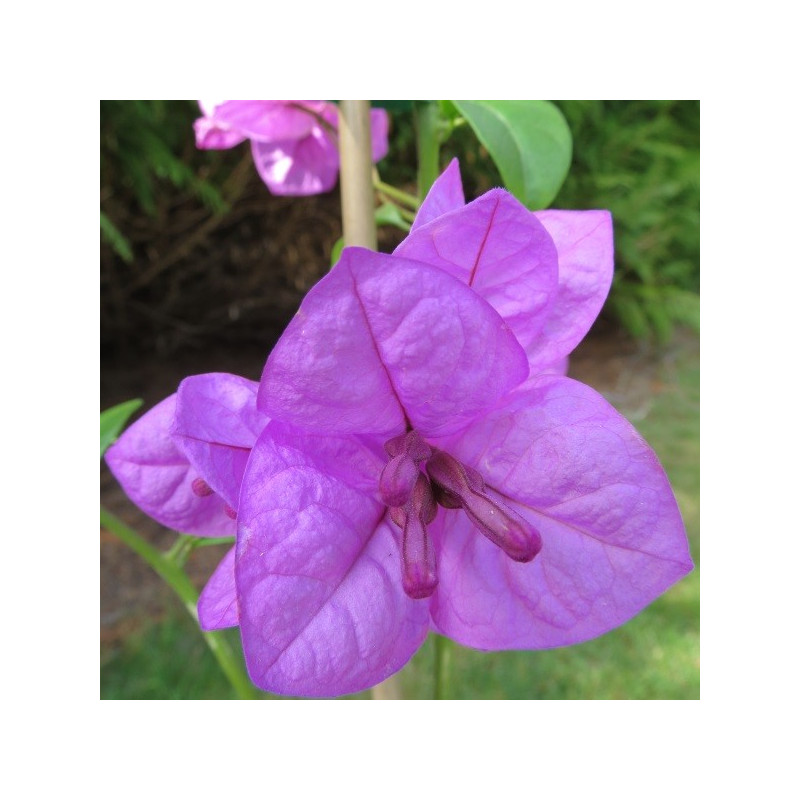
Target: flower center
{"x":412,"y":498}
{"x":419,"y":557}
{"x":202,"y":489}
{"x":399,"y":476}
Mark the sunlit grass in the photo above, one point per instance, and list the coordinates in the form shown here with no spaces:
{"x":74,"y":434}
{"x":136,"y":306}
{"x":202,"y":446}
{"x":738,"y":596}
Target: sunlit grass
{"x":164,"y":661}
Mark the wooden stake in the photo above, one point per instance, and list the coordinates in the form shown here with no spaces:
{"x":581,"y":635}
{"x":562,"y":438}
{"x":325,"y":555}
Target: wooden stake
{"x":358,"y":222}
{"x":355,"y":176}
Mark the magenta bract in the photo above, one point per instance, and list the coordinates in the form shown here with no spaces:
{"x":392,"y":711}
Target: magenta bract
{"x":413,"y":458}
{"x":294,"y":142}
{"x":427,"y":467}
{"x":547,"y":273}
{"x":182,"y":463}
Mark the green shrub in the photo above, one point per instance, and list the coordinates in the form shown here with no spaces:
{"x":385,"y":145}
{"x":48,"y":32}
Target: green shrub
{"x":143,"y":143}
{"x":641,"y":160}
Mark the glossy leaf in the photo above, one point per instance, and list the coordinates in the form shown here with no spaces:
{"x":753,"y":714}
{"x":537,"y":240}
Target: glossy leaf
{"x":529,"y":141}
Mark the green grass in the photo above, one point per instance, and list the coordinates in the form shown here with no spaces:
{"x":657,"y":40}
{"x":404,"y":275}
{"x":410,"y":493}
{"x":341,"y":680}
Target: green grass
{"x":654,"y":656}
{"x":164,"y":661}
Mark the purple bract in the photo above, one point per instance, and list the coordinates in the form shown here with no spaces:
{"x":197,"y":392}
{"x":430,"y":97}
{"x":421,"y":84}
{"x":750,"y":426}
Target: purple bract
{"x":413,"y":458}
{"x":294,"y":142}
{"x":427,"y":467}
{"x":182,"y":464}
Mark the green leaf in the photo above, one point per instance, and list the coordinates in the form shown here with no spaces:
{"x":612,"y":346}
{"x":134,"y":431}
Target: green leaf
{"x":448,"y":110}
{"x":388,"y":214}
{"x":336,"y":250}
{"x":113,"y":420}
{"x":529,"y":141}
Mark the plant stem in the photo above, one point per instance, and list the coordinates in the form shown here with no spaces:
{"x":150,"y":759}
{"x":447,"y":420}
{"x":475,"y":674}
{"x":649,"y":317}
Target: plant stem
{"x":358,"y":222}
{"x":211,"y":542}
{"x":394,"y":193}
{"x":406,"y":215}
{"x":441,"y":667}
{"x":174,"y":576}
{"x":426,"y":120}
{"x":179,"y":553}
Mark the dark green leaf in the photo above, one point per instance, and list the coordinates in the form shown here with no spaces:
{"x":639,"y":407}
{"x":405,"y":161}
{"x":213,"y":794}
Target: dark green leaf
{"x":529,"y":141}
{"x":113,"y":420}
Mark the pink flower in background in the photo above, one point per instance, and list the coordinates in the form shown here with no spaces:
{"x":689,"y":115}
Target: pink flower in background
{"x":294,"y":142}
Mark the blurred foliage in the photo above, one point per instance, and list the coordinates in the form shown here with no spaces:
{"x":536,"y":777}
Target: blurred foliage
{"x":641,"y":160}
{"x":145,"y":142}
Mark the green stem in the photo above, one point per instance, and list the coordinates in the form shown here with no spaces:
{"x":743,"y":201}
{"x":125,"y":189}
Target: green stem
{"x":179,"y":553}
{"x":174,"y":576}
{"x":441,"y":667}
{"x":408,"y":216}
{"x":210,"y":542}
{"x":426,"y":118}
{"x":395,"y":194}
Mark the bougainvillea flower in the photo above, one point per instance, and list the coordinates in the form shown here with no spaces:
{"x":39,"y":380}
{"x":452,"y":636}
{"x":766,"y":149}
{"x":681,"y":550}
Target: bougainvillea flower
{"x":510,"y":255}
{"x":294,"y":142}
{"x":182,"y":463}
{"x":414,"y":477}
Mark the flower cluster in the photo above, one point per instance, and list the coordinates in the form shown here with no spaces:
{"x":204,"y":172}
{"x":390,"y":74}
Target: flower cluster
{"x":294,"y":142}
{"x":414,"y":458}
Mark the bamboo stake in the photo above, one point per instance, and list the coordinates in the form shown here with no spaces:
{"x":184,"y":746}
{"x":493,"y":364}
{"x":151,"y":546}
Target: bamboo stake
{"x":355,"y":153}
{"x":358,"y":222}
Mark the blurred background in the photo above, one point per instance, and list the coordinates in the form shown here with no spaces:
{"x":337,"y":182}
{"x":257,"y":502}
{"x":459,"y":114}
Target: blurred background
{"x":202,"y":268}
